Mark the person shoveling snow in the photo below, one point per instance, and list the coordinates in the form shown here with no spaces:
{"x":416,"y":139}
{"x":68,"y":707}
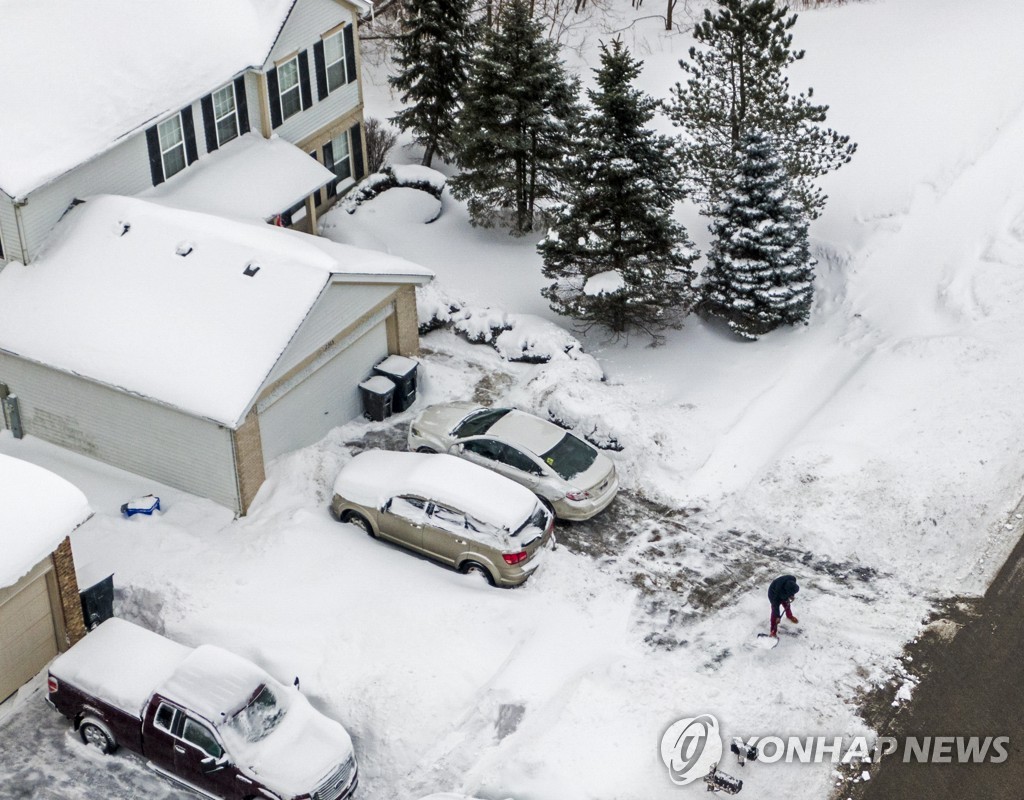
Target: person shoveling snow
{"x":781,"y":592}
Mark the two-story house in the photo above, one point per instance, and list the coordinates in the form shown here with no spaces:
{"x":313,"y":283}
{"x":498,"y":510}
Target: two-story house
{"x":149,"y":317}
{"x":118,"y":96}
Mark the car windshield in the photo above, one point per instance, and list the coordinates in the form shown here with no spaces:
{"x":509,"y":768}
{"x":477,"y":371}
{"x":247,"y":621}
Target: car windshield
{"x":479,"y":422}
{"x":570,"y":457}
{"x":538,"y":519}
{"x":258,"y":719}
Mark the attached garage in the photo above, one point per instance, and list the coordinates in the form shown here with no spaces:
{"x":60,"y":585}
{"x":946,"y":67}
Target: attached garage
{"x":193,"y":349}
{"x":40,"y":611}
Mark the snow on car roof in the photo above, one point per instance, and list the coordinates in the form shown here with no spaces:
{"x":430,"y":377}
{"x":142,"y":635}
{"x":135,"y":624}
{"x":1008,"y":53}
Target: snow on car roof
{"x":37,"y":510}
{"x":213,"y":682}
{"x":120,"y":663}
{"x":535,"y":434}
{"x":373,"y":477}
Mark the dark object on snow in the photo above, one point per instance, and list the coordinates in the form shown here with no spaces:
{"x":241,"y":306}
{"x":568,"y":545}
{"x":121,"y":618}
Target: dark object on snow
{"x":781,"y":593}
{"x":141,"y":505}
{"x":742,"y":751}
{"x":720,"y":782}
{"x":378,"y":397}
{"x":401,"y":371}
{"x":98,"y":602}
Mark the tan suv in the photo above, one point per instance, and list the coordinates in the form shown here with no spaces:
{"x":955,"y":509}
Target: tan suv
{"x":448,"y":509}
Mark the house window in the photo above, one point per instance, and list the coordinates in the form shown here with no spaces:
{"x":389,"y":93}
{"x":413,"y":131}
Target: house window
{"x":172,"y":145}
{"x":342,"y":166}
{"x":334,"y":58}
{"x":288,"y":88}
{"x":2,"y":256}
{"x":225,"y":113}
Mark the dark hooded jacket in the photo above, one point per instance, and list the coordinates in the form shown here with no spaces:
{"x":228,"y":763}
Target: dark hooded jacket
{"x":782,"y":590}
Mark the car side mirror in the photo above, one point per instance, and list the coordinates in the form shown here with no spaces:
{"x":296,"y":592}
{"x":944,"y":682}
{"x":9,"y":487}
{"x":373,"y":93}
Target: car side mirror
{"x":212,"y":764}
{"x":386,"y":506}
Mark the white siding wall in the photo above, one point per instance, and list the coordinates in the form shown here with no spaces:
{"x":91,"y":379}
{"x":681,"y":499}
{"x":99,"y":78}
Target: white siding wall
{"x":338,"y":307}
{"x":8,"y":231}
{"x":123,"y":169}
{"x":121,"y":429}
{"x":325,"y":399}
{"x":308,"y":21}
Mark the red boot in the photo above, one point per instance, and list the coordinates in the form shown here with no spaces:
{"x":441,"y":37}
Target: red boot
{"x":789,"y":614}
{"x":775,"y":626}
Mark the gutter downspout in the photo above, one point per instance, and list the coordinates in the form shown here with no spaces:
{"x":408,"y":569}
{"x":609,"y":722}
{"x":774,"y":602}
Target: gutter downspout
{"x":19,"y":202}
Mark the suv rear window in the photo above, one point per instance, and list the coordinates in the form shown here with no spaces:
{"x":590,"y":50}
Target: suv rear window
{"x":479,"y":422}
{"x":570,"y":457}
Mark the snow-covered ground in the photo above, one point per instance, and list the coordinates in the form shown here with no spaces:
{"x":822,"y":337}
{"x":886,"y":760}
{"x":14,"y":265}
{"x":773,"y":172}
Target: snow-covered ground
{"x":875,"y":454}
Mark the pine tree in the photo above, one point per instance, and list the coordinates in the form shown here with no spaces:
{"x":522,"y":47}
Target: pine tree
{"x":516,"y":122}
{"x":615,"y":254}
{"x":760,"y":272}
{"x":737,"y":82}
{"x":432,"y":60}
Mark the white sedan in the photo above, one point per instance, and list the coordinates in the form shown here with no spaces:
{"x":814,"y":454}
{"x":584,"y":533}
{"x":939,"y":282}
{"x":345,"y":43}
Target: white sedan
{"x":575,"y":479}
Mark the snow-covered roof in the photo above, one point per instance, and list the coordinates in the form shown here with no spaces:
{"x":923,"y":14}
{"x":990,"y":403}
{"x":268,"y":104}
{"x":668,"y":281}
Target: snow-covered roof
{"x":37,"y":510}
{"x":79,"y":77}
{"x":251,"y":177}
{"x":184,"y":308}
{"x":120,"y":663}
{"x":374,"y":476}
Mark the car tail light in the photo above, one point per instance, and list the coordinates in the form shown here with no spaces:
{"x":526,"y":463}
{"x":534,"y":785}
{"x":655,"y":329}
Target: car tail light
{"x":577,"y":494}
{"x":515,"y":558}
{"x":51,"y":684}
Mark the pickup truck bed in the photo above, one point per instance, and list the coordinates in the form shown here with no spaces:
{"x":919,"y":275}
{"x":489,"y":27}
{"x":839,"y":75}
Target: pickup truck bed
{"x":121,"y":663}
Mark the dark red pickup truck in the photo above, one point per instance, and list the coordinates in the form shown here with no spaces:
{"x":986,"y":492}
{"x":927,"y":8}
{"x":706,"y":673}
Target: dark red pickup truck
{"x":202,"y":716}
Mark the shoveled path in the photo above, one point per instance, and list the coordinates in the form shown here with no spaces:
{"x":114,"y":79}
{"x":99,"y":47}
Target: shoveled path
{"x":975,"y":687}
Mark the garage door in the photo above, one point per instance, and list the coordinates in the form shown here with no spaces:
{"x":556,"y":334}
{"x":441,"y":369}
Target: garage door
{"x":324,"y":398}
{"x":27,"y":636}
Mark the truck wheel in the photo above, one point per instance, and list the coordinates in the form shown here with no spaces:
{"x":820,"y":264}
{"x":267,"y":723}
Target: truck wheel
{"x":96,"y":736}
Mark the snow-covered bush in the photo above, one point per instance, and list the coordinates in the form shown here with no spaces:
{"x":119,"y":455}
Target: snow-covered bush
{"x":409,"y":176}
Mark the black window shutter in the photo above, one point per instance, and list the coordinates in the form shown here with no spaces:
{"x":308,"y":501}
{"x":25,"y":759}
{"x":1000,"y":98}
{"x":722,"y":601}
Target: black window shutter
{"x":306,"y":89}
{"x":191,"y":153}
{"x":242,"y":104}
{"x":357,"y":151}
{"x":156,"y":166}
{"x":329,"y":163}
{"x":317,"y":197}
{"x":274,"y":96}
{"x":209,"y":123}
{"x":350,"y":54}
{"x":320,"y":63}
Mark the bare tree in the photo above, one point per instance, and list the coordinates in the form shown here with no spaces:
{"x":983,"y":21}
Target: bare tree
{"x":380,"y":138}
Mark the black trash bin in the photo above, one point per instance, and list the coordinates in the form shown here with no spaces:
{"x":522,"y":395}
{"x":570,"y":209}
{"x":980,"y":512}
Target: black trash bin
{"x":378,"y":397}
{"x":401,"y":371}
{"x":98,"y":602}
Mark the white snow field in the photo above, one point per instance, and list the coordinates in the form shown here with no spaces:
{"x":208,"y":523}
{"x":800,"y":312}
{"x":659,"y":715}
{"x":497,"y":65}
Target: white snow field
{"x":884,"y":438}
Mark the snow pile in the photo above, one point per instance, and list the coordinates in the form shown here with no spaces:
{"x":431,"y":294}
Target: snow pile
{"x":38,"y":509}
{"x":411,"y":177}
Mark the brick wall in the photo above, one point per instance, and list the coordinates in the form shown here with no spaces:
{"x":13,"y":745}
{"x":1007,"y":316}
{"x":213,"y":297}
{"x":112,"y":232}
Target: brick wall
{"x":249,"y":466}
{"x":67,"y":588}
{"x":407,"y":323}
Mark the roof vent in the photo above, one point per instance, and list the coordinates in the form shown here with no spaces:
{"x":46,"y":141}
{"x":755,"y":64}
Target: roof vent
{"x":183,"y":249}
{"x":251,"y":269}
